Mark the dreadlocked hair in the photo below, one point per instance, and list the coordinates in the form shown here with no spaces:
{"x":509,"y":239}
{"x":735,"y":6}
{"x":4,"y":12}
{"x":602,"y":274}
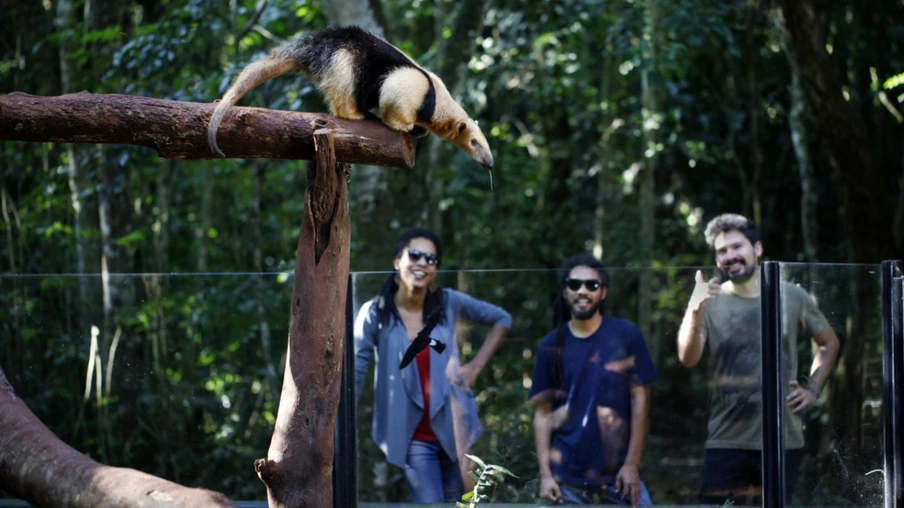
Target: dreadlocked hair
{"x":561,"y":312}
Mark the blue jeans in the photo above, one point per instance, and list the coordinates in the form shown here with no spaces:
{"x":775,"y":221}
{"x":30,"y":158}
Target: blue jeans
{"x":603,"y":494}
{"x":432,"y":476}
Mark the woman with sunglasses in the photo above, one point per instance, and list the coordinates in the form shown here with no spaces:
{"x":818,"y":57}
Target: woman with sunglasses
{"x":425,"y":417}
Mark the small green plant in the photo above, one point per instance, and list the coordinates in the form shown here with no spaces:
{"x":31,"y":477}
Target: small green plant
{"x":488,"y":478}
{"x":728,"y":502}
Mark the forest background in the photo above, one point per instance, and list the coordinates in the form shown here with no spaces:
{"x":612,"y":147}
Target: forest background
{"x":618,"y":127}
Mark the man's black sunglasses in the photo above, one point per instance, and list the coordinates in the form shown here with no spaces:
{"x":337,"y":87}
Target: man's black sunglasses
{"x":575,"y":284}
{"x":415,"y":255}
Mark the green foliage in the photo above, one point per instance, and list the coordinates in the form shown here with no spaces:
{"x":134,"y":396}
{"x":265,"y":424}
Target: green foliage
{"x":487,"y":477}
{"x":894,"y":81}
{"x":557,"y":86}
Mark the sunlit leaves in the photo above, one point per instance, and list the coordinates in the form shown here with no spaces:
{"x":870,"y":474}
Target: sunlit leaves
{"x":892,"y":82}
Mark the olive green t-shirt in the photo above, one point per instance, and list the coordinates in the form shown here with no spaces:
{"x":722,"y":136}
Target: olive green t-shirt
{"x":731,"y":324}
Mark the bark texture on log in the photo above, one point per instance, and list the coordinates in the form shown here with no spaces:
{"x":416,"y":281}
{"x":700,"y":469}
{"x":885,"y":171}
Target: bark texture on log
{"x":298,"y":467}
{"x":178,"y":130}
{"x":43,"y":470}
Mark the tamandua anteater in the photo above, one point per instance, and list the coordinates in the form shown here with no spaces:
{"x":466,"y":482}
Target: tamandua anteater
{"x":357,"y":72}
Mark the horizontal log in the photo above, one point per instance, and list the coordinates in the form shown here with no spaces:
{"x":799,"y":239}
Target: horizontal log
{"x":178,"y":129}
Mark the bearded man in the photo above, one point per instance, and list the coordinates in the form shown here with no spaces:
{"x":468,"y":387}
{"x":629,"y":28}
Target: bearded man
{"x":589,"y":389}
{"x":727,"y":317}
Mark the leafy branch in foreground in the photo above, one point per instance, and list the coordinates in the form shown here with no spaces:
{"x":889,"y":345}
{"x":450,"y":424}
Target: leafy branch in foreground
{"x":488,"y":478}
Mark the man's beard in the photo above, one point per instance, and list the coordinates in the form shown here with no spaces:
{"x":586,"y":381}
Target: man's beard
{"x":741,"y":277}
{"x":584,"y":314}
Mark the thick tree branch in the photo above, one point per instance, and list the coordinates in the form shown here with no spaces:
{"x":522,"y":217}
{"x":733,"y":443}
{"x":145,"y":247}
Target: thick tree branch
{"x":37,"y":466}
{"x":178,"y":130}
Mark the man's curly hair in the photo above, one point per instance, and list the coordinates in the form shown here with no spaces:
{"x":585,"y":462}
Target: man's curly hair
{"x":730,"y":222}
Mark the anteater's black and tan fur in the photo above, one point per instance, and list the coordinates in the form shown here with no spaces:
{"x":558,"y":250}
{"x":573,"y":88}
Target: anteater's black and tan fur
{"x":359,"y":72}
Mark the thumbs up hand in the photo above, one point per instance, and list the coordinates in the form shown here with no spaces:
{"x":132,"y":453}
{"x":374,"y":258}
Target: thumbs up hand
{"x":704,"y":291}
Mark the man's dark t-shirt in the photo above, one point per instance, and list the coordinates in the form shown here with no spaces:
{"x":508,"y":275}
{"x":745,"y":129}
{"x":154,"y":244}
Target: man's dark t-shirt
{"x":592,"y":407}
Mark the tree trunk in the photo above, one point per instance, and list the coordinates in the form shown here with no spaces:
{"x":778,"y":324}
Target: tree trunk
{"x":118,"y":345}
{"x":800,"y":138}
{"x":115,"y":214}
{"x":7,"y":210}
{"x":67,"y":23}
{"x":606,"y":116}
{"x":159,"y":334}
{"x":846,"y":403}
{"x":352,"y":12}
{"x":651,"y":117}
{"x":842,"y":134}
{"x":259,"y":284}
{"x":162,"y":220}
{"x":297,"y":470}
{"x":452,"y":58}
{"x":753,"y":109}
{"x":201,"y":231}
{"x":860,"y":186}
{"x":46,"y":472}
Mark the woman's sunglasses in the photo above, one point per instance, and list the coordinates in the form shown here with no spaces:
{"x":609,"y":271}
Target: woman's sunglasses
{"x":575,"y":284}
{"x":415,"y":255}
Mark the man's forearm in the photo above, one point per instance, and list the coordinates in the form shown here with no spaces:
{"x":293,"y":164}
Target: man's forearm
{"x":690,"y":342}
{"x":543,"y":440}
{"x":639,"y":407}
{"x":824,"y":359}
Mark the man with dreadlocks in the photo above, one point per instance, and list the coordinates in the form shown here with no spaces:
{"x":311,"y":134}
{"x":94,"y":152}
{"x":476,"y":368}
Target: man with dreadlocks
{"x":589,"y":389}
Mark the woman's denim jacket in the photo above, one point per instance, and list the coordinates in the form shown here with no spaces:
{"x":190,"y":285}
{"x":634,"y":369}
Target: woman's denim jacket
{"x":398,"y":402}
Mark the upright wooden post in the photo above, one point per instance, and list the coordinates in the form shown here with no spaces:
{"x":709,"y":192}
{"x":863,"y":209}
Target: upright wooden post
{"x":297,"y":470}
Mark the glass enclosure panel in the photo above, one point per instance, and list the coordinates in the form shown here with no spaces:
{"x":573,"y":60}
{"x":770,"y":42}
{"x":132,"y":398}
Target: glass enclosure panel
{"x":677,"y":420}
{"x":191,"y":392}
{"x":197,"y":368}
{"x":838,"y":440}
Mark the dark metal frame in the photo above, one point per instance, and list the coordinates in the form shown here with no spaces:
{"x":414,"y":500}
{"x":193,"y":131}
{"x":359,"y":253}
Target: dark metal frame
{"x":345,"y":460}
{"x":892,"y":372}
{"x":773,"y":380}
{"x":773,"y":374}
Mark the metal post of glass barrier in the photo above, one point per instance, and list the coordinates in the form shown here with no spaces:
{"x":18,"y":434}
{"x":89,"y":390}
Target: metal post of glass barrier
{"x":345,"y":465}
{"x":772,"y":374}
{"x":892,"y":373}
